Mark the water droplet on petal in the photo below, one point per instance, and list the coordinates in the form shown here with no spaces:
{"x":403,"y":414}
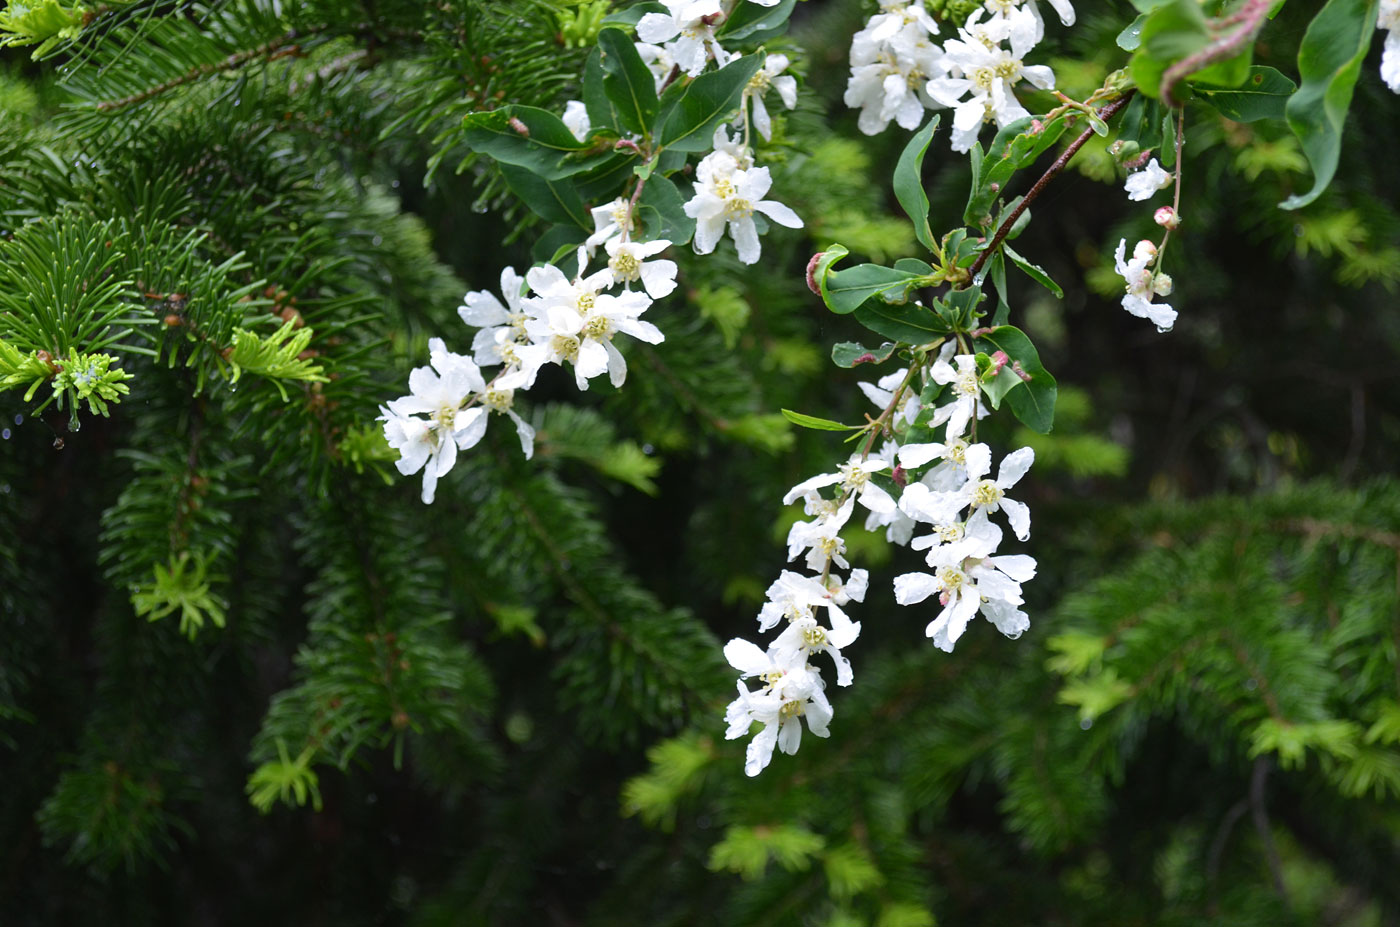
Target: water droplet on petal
{"x":19,"y":419}
{"x":1086,"y":723}
{"x":58,"y":444}
{"x":5,"y":434}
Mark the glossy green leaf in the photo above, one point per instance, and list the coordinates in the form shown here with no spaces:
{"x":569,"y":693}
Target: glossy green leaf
{"x":909,"y":182}
{"x":903,"y":322}
{"x":755,"y":23}
{"x":552,"y":200}
{"x":1131,"y":36}
{"x":1262,"y":96}
{"x":602,"y":113}
{"x":844,"y":290}
{"x":1015,"y":147}
{"x":850,"y":354}
{"x":1034,"y":271}
{"x":818,"y":424}
{"x":688,"y":124}
{"x":1329,"y":62}
{"x":529,"y":137}
{"x":627,"y":81}
{"x":661,"y":210}
{"x":1034,"y":405}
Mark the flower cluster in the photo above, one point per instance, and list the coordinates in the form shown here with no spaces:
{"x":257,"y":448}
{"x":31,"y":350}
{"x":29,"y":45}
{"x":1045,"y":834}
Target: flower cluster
{"x":943,"y":486}
{"x":897,"y":71}
{"x":1143,"y":283}
{"x":547,"y":318}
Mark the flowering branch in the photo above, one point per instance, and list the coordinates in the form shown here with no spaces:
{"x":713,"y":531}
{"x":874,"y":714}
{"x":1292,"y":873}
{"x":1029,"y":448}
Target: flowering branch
{"x":1107,"y":112}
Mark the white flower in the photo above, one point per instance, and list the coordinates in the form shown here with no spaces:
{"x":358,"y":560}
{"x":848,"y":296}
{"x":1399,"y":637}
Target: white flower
{"x":854,"y":477}
{"x":881,"y":392}
{"x":691,"y":24}
{"x":499,"y":325}
{"x":576,"y":119}
{"x":609,"y":221}
{"x":986,"y":495}
{"x":1140,"y":284}
{"x":982,"y":73}
{"x":658,"y":60}
{"x":1388,"y":17}
{"x":1142,"y":184}
{"x":736,"y":148}
{"x":727,"y":194}
{"x":770,"y":76}
{"x":952,"y":472}
{"x":439,"y":392}
{"x":627,"y":263}
{"x":966,"y":393}
{"x":789,"y":694}
{"x":969,"y":579}
{"x":572,"y":321}
{"x":821,"y":538}
{"x":500,"y":400}
{"x":899,"y":527}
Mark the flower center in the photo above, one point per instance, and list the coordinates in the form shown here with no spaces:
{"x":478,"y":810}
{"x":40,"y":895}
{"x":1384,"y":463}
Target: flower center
{"x":986,"y":493}
{"x":585,"y":302}
{"x":856,"y":476}
{"x":983,"y":77}
{"x":814,"y":637}
{"x":738,"y":208}
{"x":957,"y":452}
{"x":759,"y":83}
{"x":597,"y":328}
{"x":625,"y":266}
{"x":791,"y":710}
{"x":445,"y":417}
{"x":724,"y":188}
{"x":566,"y":346}
{"x":1010,"y":69}
{"x":498,"y":400}
{"x":951,"y":578}
{"x":967,"y":383}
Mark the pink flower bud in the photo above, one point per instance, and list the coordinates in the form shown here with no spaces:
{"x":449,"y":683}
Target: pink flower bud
{"x":899,"y":476}
{"x":999,"y":360}
{"x":1166,"y":217}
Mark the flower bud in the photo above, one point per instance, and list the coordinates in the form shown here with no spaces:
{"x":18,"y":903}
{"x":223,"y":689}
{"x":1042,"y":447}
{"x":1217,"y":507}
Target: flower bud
{"x":1166,"y":217}
{"x":812,"y":272}
{"x":1145,"y":251}
{"x":1162,"y":285}
{"x":999,"y":360}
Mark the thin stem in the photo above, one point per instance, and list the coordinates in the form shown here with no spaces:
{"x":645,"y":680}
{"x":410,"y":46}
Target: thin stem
{"x":1247,"y":20}
{"x":1054,"y":169}
{"x":1176,"y":193}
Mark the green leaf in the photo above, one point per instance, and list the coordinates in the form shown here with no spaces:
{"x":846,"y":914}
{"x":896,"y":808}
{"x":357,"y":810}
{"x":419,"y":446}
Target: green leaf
{"x":526,"y":136}
{"x":1131,"y":37}
{"x":849,"y":354}
{"x":689,"y":123}
{"x":1263,"y":96}
{"x":844,"y":290}
{"x":602,"y":113}
{"x":908,"y":322}
{"x":552,"y":200}
{"x":818,"y":424}
{"x":756,"y":23}
{"x":1014,"y":148}
{"x":909,"y":182}
{"x":633,"y":14}
{"x":1034,"y":405}
{"x":1034,"y":271}
{"x":1329,"y":62}
{"x":1170,"y":33}
{"x":627,"y":81}
{"x":661,"y":210}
